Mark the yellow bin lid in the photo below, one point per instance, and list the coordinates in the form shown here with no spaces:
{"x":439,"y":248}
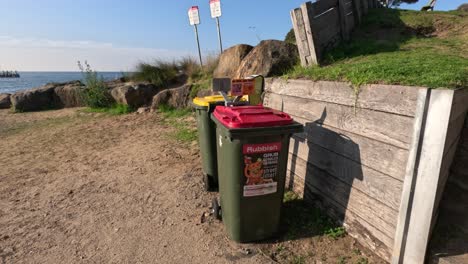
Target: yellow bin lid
{"x":207,"y":100}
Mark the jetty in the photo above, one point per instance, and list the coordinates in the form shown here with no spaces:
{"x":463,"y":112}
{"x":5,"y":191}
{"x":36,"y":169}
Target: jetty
{"x":9,"y":74}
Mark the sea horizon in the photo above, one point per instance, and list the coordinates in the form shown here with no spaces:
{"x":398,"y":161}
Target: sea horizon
{"x":35,"y":79}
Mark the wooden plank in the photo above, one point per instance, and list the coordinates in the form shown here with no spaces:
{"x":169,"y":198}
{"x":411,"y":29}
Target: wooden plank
{"x":301,"y":36}
{"x":379,"y":156}
{"x":307,"y":15}
{"x":428,"y":175}
{"x":394,"y":99}
{"x":329,"y":20}
{"x":391,"y":129}
{"x":321,"y":6}
{"x":356,"y":227}
{"x":377,"y":213}
{"x":375,"y":184}
{"x":348,"y":7}
{"x":410,"y":178}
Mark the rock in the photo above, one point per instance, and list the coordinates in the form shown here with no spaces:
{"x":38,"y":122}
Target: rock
{"x":49,"y":96}
{"x":69,"y":95}
{"x":206,"y":92}
{"x":134,"y":95}
{"x":230,"y":60}
{"x":143,"y":110}
{"x":269,"y":58}
{"x":41,"y":98}
{"x":5,"y":101}
{"x":176,"y":97}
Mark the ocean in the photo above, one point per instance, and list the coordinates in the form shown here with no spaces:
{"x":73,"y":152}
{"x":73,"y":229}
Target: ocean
{"x":30,"y":80}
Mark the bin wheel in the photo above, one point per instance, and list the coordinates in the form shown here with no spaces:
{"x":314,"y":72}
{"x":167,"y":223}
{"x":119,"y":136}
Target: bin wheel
{"x":208,"y":183}
{"x":216,"y":209}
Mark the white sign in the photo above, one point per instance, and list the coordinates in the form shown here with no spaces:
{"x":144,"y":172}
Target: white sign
{"x":215,"y":6}
{"x":194,"y":15}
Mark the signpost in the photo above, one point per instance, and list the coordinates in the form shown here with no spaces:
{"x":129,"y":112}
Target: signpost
{"x":215,"y":7}
{"x":194,"y":17}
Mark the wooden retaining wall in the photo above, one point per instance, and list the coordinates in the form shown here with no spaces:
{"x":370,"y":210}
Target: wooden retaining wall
{"x":355,"y":155}
{"x":321,"y":25}
{"x":350,"y":161}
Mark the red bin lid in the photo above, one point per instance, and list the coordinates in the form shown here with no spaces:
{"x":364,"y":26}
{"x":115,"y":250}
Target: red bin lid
{"x":251,"y":117}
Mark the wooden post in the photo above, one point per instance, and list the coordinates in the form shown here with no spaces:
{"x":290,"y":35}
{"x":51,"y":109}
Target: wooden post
{"x":307,"y":14}
{"x":301,"y":36}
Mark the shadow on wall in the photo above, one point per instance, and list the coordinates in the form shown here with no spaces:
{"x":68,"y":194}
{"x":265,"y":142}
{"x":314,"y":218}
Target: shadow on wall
{"x":317,"y":155}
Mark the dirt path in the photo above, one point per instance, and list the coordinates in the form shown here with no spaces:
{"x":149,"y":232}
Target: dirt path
{"x":80,"y":187}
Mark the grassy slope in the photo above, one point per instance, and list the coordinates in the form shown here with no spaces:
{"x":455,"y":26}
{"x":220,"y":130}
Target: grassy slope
{"x":400,"y":47}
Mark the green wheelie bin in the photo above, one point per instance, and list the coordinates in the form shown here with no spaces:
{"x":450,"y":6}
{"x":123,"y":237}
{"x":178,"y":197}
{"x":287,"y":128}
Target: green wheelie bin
{"x":252,"y":150}
{"x":204,"y":106}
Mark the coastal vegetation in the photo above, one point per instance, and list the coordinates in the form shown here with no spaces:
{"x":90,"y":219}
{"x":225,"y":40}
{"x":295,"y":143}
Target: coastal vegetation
{"x":95,"y":95}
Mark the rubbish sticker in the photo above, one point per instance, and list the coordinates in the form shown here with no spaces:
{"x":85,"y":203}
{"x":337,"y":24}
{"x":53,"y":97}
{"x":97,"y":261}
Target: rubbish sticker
{"x":261,"y":168}
{"x":242,"y":87}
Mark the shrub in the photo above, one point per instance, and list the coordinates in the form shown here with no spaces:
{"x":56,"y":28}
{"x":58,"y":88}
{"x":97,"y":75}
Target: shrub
{"x":290,"y":37}
{"x":96,"y":94}
{"x":159,"y":73}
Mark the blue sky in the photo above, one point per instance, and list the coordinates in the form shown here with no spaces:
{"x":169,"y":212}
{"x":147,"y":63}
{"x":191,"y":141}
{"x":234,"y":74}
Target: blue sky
{"x":114,"y":35}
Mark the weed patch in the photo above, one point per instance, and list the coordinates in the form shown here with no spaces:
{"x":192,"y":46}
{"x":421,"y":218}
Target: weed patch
{"x":303,"y":220}
{"x":176,"y":118}
{"x":117,"y":109}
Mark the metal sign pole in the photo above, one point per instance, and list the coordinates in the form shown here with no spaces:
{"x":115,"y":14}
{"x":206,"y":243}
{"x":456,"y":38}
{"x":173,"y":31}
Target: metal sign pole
{"x":219,"y":35}
{"x":198,"y":44}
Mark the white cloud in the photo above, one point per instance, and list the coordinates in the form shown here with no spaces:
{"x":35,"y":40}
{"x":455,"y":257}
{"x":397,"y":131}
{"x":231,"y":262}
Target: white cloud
{"x":30,"y":54}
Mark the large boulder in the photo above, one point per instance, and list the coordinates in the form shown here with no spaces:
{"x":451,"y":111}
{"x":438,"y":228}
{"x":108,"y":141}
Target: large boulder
{"x":176,"y":97}
{"x":269,"y":58}
{"x":49,"y":96}
{"x":5,"y":101}
{"x":230,"y":60}
{"x":134,"y":95}
{"x":69,"y":95}
{"x":37,"y":99}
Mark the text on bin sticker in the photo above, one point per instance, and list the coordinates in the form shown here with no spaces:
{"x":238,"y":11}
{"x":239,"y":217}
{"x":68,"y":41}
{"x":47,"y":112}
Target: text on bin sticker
{"x":261,"y":168}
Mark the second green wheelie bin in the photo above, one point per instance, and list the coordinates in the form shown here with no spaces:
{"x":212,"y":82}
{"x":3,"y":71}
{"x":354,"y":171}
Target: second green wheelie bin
{"x":204,"y":106}
{"x":252,"y":150}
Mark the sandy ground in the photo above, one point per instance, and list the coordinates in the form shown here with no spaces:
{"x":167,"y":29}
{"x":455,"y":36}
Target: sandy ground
{"x":80,"y":187}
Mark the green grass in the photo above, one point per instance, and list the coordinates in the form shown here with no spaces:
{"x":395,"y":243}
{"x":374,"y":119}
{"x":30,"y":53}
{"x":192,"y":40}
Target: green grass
{"x":175,"y":118}
{"x":399,"y":47}
{"x":117,"y":109}
{"x":301,"y":219}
